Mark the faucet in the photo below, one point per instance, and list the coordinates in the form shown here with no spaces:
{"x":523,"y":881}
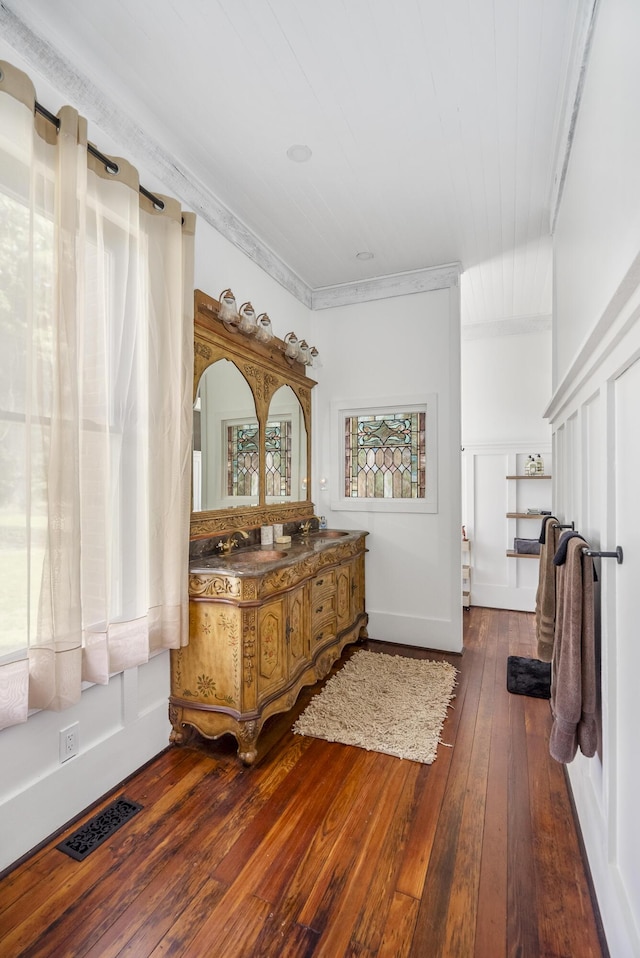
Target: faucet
{"x":225,"y":546}
{"x":305,"y":527}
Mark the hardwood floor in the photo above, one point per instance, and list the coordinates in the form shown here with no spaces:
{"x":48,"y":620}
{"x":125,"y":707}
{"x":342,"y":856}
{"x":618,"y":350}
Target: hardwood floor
{"x":326,"y":850}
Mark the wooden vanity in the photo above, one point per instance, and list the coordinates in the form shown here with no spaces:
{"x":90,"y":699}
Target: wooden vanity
{"x":264,"y":622}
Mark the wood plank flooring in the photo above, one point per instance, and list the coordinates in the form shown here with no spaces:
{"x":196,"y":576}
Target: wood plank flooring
{"x":325,"y":850}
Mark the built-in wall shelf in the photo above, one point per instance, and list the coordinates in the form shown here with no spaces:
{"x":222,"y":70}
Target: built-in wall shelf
{"x":518,"y":501}
{"x":525,"y":515}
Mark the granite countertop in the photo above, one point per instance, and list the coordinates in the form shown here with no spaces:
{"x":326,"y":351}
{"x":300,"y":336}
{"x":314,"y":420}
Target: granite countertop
{"x":256,"y":560}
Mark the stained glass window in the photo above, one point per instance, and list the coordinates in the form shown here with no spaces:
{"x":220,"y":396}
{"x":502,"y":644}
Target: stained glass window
{"x":385,"y":456}
{"x":243,"y":459}
{"x":278,"y":458}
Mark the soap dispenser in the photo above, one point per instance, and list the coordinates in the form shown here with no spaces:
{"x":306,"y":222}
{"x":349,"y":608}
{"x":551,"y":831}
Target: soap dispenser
{"x":539,"y":465}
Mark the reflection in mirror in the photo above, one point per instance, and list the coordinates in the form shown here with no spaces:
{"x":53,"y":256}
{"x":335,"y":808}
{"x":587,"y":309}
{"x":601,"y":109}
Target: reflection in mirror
{"x":225,"y":440}
{"x":286,"y":449}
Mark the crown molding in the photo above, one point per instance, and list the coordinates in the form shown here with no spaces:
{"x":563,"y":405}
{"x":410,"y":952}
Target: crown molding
{"x":385,"y":287}
{"x":574,"y":86}
{"x":516,"y":326}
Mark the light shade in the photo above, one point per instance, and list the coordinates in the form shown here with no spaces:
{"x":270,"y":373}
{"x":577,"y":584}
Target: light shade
{"x":228,"y":311}
{"x":264,"y":332}
{"x":247,"y":318}
{"x":291,"y":346}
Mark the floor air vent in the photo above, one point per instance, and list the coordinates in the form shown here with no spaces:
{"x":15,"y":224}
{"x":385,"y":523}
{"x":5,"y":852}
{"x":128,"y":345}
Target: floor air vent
{"x":96,"y":831}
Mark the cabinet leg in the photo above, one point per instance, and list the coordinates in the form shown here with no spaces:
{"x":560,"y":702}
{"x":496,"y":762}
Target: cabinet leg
{"x":180,"y":734}
{"x":247,"y":735}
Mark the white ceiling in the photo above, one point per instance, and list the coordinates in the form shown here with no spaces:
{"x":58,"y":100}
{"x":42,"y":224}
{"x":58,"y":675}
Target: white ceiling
{"x":438,"y":128}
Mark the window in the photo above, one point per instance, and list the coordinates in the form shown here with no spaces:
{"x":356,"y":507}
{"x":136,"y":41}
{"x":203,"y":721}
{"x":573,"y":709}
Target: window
{"x":243,"y":459}
{"x":386,"y":455}
{"x":278,"y":459}
{"x":95,"y":407}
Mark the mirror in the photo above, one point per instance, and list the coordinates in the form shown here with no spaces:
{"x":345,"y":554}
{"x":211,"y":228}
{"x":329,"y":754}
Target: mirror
{"x":252,"y":429}
{"x":226,"y":450}
{"x":285,"y":448}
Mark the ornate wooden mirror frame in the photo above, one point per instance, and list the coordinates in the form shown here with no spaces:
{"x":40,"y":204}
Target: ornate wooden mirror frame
{"x":266,"y":369}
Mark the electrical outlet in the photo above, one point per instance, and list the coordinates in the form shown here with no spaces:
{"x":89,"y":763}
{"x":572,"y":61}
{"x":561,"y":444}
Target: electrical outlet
{"x":69,"y":742}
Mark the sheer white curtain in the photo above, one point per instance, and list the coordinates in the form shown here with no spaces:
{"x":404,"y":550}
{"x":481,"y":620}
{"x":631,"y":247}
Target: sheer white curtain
{"x":95,"y":412}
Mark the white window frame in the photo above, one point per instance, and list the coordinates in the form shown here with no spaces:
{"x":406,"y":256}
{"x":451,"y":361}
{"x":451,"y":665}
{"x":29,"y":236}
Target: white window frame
{"x":341,"y":409}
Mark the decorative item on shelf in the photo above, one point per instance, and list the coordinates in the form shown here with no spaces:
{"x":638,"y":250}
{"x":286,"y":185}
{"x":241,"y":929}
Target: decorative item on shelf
{"x":530,"y":467}
{"x":526,"y":546}
{"x":292,"y":349}
{"x":247,"y":318}
{"x":264,"y":332}
{"x":228,"y":310}
{"x":539,"y":465}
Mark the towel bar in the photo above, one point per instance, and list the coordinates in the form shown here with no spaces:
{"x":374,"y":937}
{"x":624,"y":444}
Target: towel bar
{"x":564,"y":525}
{"x":605,"y":555}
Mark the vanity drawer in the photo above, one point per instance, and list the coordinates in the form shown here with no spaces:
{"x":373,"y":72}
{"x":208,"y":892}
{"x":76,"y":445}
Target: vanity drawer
{"x":323,"y":584}
{"x":324,"y":606}
{"x":323,"y":629}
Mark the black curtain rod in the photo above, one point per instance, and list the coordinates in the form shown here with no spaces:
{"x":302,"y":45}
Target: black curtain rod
{"x":109,"y":165}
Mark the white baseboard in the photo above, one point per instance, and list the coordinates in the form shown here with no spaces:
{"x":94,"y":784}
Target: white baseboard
{"x":503,"y":597}
{"x":30,"y":816}
{"x":442,"y":634}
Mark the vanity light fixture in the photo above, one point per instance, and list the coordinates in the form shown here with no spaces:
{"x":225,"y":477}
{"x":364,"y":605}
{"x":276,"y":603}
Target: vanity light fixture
{"x":264,"y":332}
{"x":244,"y":320}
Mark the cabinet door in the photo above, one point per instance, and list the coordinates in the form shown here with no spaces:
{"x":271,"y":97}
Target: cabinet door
{"x":297,"y":629}
{"x":208,"y":671}
{"x":272,"y":666}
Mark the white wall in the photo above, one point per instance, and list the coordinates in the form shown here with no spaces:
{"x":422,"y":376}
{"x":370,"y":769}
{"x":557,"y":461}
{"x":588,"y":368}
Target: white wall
{"x":400,"y":348}
{"x":506,"y":383}
{"x":594,"y":415}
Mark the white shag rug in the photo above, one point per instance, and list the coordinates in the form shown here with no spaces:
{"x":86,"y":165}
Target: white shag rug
{"x":383,"y":703}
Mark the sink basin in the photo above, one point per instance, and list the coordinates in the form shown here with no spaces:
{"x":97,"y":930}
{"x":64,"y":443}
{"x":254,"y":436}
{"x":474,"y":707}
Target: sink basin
{"x":328,"y":534}
{"x":262,"y":555}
